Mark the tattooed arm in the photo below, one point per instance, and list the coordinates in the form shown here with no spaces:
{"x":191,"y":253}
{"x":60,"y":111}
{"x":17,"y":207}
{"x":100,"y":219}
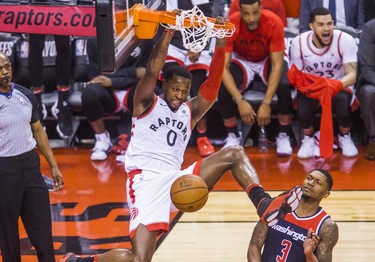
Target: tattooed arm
{"x":329,"y":236}
{"x":256,"y":243}
{"x":350,"y":74}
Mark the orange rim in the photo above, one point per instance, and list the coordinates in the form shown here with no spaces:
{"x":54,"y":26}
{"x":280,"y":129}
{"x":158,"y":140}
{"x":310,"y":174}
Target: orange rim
{"x":166,"y":17}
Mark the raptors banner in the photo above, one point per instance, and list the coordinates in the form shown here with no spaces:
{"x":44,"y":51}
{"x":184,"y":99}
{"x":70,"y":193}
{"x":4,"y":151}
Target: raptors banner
{"x":56,"y":20}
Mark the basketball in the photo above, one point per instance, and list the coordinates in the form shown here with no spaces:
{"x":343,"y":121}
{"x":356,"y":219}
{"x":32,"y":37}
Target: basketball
{"x":189,"y":193}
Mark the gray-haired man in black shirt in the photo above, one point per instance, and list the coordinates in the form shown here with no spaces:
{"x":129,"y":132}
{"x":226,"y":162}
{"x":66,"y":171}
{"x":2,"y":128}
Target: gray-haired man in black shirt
{"x":23,"y":192}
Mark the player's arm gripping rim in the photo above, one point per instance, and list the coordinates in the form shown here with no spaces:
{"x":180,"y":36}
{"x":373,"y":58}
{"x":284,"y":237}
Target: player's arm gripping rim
{"x":144,"y":93}
{"x":209,"y":89}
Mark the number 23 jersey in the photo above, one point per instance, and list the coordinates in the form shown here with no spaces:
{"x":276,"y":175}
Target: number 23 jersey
{"x":159,"y":138}
{"x":328,"y":61}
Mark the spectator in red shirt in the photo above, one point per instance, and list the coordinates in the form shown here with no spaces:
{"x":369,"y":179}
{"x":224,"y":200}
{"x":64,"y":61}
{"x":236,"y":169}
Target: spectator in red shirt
{"x":256,"y":48}
{"x":275,"y":6}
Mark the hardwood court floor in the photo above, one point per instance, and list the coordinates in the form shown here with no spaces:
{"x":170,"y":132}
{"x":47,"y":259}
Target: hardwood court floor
{"x":90,"y":214}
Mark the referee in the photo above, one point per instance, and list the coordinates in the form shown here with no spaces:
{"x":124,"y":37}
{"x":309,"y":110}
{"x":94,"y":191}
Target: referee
{"x":23,"y":192}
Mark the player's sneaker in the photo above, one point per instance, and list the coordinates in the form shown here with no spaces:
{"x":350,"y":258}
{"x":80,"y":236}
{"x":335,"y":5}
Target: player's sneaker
{"x":70,"y":257}
{"x":64,"y":125}
{"x":102,"y":146}
{"x":307,"y":148}
{"x":283,"y":147}
{"x":205,"y":147}
{"x":347,"y":146}
{"x":271,"y":210}
{"x":232,"y":140}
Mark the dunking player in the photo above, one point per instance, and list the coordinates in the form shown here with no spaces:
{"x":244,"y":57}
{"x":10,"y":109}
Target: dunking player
{"x":160,"y":132}
{"x":314,"y":233}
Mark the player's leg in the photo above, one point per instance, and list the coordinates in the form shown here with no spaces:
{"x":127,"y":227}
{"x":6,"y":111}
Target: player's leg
{"x":143,"y":212}
{"x":143,"y":248}
{"x":234,"y":159}
{"x":120,"y":254}
{"x":144,"y":243}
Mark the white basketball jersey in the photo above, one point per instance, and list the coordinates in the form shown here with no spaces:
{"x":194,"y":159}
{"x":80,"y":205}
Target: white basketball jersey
{"x":327,"y":62}
{"x":159,"y":138}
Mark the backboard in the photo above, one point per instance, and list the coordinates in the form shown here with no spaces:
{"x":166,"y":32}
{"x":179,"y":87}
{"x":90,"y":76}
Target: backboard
{"x":116,"y":39}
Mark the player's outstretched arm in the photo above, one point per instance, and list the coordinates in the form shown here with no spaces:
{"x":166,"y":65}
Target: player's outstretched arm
{"x":144,"y":93}
{"x":209,"y":89}
{"x":256,"y":243}
{"x":329,"y":236}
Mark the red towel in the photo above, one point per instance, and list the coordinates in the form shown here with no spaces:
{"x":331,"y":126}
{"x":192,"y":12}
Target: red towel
{"x":323,"y":89}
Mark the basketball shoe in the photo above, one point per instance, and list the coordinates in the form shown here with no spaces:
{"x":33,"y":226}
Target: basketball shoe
{"x":283,"y":146}
{"x":307,"y":148}
{"x":102,"y":146}
{"x":70,"y":257}
{"x":233,"y":140}
{"x":347,"y":146}
{"x":205,"y":147}
{"x":64,"y":125}
{"x":271,"y":210}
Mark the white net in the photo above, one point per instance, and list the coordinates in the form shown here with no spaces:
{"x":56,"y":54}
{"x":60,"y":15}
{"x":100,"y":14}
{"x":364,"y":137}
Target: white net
{"x":195,"y":35}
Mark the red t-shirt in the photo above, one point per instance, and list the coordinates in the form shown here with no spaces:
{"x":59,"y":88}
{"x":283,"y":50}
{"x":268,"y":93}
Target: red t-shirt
{"x":256,"y":46}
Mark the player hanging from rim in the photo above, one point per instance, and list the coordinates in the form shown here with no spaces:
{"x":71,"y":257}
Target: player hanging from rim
{"x":160,"y":133}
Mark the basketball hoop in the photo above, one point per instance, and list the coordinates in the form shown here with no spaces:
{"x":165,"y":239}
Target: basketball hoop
{"x":196,"y":29}
{"x":194,"y":26}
